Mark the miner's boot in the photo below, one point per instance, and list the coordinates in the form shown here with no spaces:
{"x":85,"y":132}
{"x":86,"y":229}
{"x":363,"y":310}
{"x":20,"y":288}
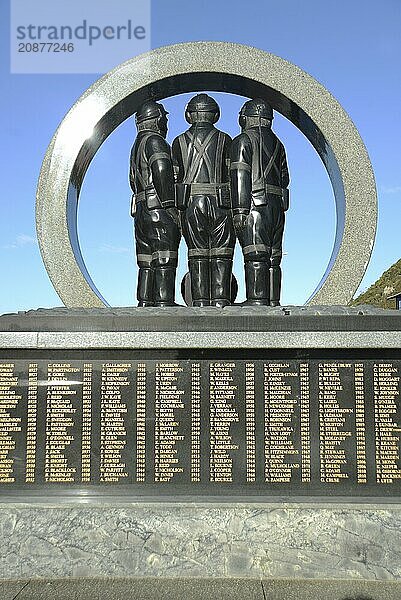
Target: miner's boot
{"x":221,"y":269}
{"x":257,"y":282}
{"x":200,"y":281}
{"x":144,"y":292}
{"x":164,"y":286}
{"x":275,"y":286}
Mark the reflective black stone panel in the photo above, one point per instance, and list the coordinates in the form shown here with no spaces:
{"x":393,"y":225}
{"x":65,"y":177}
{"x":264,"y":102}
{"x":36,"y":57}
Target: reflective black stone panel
{"x":201,"y":423}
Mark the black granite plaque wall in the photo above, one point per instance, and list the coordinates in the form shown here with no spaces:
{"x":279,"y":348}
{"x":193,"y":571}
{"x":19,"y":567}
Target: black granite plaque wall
{"x":201,"y":423}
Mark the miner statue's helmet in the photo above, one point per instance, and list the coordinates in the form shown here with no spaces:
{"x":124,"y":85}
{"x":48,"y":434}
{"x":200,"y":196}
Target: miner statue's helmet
{"x":200,"y":106}
{"x":258,"y":108}
{"x":152,"y":111}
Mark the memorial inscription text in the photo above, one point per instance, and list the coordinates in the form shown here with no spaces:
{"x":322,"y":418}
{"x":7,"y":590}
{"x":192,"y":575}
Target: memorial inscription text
{"x":251,"y":426}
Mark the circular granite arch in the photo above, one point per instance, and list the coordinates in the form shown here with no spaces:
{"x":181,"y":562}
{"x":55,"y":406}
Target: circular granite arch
{"x":192,"y":67}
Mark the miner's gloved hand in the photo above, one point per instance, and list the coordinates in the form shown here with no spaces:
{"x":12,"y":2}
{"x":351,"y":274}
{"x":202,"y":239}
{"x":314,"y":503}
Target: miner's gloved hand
{"x":240,"y":222}
{"x":175,"y":215}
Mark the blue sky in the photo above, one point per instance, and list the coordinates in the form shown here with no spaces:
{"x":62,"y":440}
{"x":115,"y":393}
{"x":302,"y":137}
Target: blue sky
{"x":351,"y":47}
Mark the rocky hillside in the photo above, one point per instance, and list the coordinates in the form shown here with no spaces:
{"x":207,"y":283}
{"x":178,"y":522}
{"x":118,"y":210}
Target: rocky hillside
{"x":387,"y":285}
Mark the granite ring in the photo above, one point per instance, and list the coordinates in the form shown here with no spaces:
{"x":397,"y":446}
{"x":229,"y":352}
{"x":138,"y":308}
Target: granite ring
{"x":192,"y":67}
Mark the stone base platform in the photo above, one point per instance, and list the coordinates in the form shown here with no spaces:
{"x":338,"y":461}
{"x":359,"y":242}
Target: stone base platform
{"x":182,"y":327}
{"x":210,"y":548}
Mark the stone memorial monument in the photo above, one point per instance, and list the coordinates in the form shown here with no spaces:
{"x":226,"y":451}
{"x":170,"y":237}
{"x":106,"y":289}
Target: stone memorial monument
{"x":249,"y":448}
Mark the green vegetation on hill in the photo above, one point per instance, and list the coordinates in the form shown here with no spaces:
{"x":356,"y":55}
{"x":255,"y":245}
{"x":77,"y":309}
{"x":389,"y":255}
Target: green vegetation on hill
{"x":387,"y":285}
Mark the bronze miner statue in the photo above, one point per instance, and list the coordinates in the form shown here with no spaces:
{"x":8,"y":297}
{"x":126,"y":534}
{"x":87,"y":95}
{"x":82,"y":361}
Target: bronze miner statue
{"x":153,"y":207}
{"x":260,"y":197}
{"x":201,"y":163}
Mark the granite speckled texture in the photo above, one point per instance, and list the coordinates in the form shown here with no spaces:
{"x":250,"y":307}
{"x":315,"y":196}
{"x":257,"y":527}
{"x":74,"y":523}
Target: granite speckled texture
{"x":182,"y":327}
{"x":192,"y":67}
{"x":203,"y":339}
{"x":140,"y":589}
{"x":332,"y":590}
{"x":200,"y":540}
{"x":9,"y":590}
{"x":199,"y":589}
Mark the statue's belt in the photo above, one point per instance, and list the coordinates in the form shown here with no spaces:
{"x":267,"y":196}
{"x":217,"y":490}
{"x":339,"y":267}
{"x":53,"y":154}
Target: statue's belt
{"x":140,"y":197}
{"x":195,"y":189}
{"x":208,"y":188}
{"x":259,"y":195}
{"x":150,"y":197}
{"x":214,"y":189}
{"x":270,"y":189}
